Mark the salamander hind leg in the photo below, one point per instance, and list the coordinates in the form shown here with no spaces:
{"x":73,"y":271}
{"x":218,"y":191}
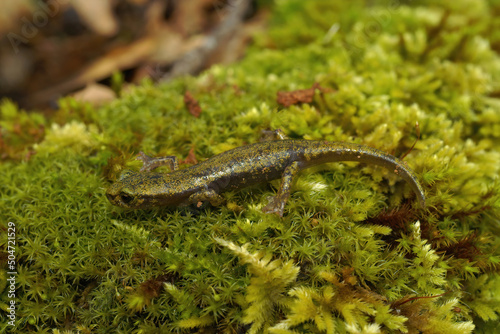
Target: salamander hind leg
{"x":149,"y":163}
{"x":277,"y":203}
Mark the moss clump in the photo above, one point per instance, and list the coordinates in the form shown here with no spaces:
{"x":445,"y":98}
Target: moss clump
{"x":352,"y":254}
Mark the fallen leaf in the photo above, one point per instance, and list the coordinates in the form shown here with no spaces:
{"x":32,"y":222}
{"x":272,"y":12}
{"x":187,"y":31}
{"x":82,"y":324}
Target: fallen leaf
{"x":191,"y":158}
{"x":97,"y":15}
{"x":287,"y":99}
{"x":192,"y":104}
{"x":95,"y":94}
{"x":117,"y":59}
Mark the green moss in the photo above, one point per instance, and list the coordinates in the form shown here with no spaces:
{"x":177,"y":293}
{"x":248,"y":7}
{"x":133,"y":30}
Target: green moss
{"x":351,"y":255}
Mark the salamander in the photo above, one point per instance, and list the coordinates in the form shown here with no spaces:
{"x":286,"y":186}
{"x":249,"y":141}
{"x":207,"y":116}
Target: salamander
{"x":241,"y":167}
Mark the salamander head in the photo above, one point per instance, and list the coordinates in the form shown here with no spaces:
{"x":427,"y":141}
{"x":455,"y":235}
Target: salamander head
{"x":124,"y":192}
{"x":143,"y":190}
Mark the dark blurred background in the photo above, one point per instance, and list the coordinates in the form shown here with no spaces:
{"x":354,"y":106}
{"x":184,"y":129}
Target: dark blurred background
{"x":51,"y":48}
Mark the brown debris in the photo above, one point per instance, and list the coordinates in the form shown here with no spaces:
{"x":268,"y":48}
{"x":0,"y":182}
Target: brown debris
{"x":298,"y":96}
{"x":152,"y":287}
{"x":397,"y":219}
{"x":416,"y":309}
{"x":191,"y":158}
{"x":192,"y":104}
{"x":348,"y":277}
{"x":464,"y":248}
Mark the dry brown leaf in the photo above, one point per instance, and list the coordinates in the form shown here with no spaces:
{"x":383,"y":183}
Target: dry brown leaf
{"x":95,"y":94}
{"x":11,"y":12}
{"x":191,"y":158}
{"x":192,"y":104}
{"x":98,"y":15}
{"x":190,"y":16}
{"x":117,"y":59}
{"x":298,"y":96}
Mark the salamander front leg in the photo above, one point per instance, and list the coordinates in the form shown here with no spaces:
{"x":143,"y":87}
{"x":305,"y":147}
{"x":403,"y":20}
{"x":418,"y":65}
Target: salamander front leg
{"x":277,"y":134}
{"x":207,"y":195}
{"x":149,"y":163}
{"x":277,"y":203}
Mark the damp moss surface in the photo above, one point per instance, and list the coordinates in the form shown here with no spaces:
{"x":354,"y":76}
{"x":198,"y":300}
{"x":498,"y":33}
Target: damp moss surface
{"x":353,"y":253}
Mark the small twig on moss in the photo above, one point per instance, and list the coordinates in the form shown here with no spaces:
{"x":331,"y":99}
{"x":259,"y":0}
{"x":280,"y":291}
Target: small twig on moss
{"x":400,"y":302}
{"x":417,"y":130}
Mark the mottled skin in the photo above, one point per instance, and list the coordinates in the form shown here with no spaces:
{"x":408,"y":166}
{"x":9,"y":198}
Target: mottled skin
{"x":242,"y":167}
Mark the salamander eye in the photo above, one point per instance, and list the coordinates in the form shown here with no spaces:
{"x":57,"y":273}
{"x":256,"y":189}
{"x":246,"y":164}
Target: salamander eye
{"x":126,"y":173}
{"x":126,"y":198}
